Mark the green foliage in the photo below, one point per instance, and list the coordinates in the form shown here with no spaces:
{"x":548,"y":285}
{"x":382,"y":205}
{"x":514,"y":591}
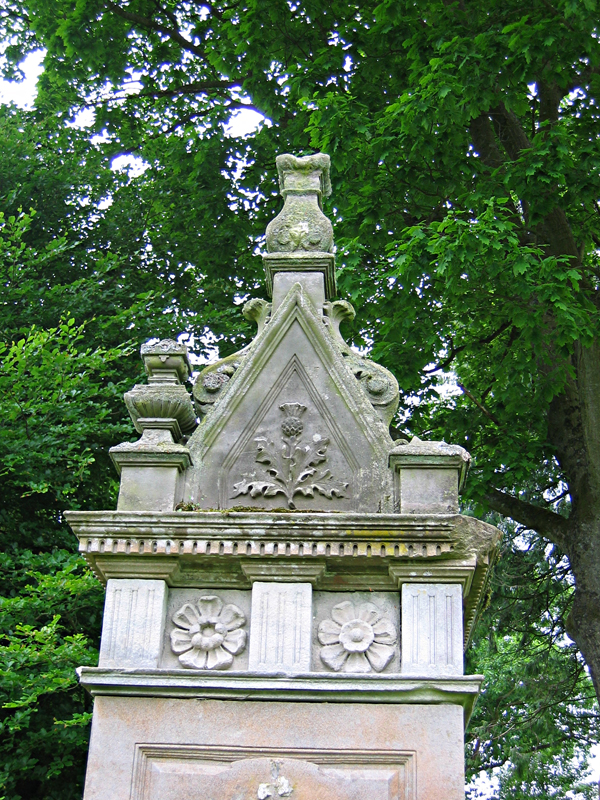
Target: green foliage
{"x":537,"y":714}
{"x":465,"y":170}
{"x":44,"y":722}
{"x":60,"y":410}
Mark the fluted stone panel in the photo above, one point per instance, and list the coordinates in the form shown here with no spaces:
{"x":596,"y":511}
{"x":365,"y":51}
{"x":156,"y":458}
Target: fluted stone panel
{"x":134,"y":621}
{"x":432,"y":629}
{"x":280,"y":629}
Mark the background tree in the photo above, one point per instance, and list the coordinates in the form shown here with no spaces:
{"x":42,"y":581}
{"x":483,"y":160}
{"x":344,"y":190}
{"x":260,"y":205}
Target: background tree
{"x":465,"y":168}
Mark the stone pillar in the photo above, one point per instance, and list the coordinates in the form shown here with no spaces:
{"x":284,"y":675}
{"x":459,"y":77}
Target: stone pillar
{"x":428,"y":476}
{"x":432,"y":629}
{"x":133,"y":624}
{"x":290,"y":524}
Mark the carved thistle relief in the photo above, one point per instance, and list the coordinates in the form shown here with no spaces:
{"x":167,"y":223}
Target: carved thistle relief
{"x":209,"y":634}
{"x":357,"y":639}
{"x":292,"y":466}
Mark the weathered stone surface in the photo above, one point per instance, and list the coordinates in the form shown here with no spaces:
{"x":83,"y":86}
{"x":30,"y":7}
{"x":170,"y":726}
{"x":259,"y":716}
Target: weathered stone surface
{"x":342,"y":552}
{"x":377,"y":383}
{"x":187,"y":610}
{"x":278,"y":666}
{"x":161,"y":401}
{"x":325,"y":687}
{"x":152,"y":470}
{"x":428,"y":476}
{"x":301,"y":263}
{"x":312,"y":283}
{"x":301,"y":224}
{"x":337,"y":460}
{"x":432,"y":629}
{"x":280,"y":639}
{"x":356,"y":633}
{"x":166,"y":361}
{"x":168,"y":749}
{"x":133,"y":624}
{"x":167,"y":366}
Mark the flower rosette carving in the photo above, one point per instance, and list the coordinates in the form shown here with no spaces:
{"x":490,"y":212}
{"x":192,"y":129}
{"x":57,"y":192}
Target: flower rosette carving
{"x":357,"y":640}
{"x":208,"y":634}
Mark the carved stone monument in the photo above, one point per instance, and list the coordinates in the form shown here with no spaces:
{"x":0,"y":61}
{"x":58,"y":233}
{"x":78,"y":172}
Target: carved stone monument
{"x":288,"y":590}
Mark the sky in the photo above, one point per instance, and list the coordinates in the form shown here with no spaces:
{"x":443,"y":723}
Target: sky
{"x":242,"y":123}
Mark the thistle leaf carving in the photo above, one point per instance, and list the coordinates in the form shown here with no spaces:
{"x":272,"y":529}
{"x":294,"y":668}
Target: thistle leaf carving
{"x":293,"y":465}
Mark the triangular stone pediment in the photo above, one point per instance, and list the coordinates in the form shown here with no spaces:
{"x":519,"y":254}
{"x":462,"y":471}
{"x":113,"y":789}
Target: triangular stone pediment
{"x":293,"y":427}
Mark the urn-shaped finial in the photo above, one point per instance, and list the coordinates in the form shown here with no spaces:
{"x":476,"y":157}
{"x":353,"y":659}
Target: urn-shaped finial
{"x":301,"y":225}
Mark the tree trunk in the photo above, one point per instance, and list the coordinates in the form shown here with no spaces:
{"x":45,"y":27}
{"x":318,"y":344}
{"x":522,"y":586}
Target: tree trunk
{"x":574,"y":433}
{"x":574,"y":430}
{"x":583,"y":624}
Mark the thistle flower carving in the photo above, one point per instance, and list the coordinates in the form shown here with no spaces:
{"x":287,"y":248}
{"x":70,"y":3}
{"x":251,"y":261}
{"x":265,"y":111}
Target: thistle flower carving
{"x":293,"y":466}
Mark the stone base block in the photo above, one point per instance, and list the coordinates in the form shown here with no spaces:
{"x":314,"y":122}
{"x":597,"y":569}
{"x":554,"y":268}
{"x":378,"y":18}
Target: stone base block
{"x":175,"y":749}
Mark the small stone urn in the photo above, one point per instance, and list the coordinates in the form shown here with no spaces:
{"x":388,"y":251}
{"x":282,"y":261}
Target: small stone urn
{"x":300,"y":238}
{"x":301,"y":225}
{"x":152,"y":469}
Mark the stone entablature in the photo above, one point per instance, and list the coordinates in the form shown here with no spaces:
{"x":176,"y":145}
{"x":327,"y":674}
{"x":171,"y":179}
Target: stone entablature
{"x":349,"y":552}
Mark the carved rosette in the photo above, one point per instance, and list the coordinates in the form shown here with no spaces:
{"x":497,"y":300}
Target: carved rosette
{"x":357,"y":640}
{"x":208,"y":634}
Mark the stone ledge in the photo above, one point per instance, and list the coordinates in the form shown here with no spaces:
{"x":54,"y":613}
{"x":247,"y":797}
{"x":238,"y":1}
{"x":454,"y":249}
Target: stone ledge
{"x":307,"y":688}
{"x":183,"y":524}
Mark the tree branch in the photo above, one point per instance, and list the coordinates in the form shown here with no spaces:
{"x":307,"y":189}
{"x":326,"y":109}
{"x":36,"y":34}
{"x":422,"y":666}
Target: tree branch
{"x":454,"y":351}
{"x":480,"y":406}
{"x":152,"y":25}
{"x":549,"y":524}
{"x":196,"y":87}
{"x":485,"y":141}
{"x":509,"y":131}
{"x":513,"y":138}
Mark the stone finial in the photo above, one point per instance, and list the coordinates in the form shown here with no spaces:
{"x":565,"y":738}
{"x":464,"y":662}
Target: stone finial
{"x":166,"y":361}
{"x":164,"y":403}
{"x":300,"y":238}
{"x":163,"y":413}
{"x":301,"y":224}
{"x":296,"y":174}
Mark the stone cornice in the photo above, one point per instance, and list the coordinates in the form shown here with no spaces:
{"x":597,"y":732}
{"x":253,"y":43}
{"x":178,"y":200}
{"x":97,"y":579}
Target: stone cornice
{"x":309,"y":687}
{"x":349,"y":551}
{"x":317,"y":525}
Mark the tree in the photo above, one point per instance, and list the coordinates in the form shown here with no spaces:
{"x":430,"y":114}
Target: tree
{"x":465,"y":172}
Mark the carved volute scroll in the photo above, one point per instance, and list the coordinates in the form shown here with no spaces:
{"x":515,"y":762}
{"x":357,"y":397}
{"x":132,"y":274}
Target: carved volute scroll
{"x":380,"y":386}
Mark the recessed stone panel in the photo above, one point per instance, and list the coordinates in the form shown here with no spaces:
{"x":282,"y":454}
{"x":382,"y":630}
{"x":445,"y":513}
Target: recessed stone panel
{"x":133,"y":623}
{"x":207,"y":629}
{"x":356,"y":632}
